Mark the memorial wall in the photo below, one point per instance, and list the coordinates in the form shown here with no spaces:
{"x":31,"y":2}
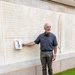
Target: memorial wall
{"x":26,"y":23}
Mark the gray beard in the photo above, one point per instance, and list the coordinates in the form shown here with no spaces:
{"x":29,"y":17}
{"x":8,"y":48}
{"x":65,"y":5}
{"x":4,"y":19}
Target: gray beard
{"x":47,"y":31}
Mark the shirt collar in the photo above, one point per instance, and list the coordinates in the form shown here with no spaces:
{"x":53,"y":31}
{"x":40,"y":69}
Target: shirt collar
{"x":46,"y":34}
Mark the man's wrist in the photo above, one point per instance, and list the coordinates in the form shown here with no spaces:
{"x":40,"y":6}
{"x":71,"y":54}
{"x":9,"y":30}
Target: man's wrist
{"x":55,"y":54}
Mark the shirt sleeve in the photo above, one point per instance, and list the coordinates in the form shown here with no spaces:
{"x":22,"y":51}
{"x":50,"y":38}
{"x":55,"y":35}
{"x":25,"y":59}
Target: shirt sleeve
{"x":55,"y":43}
{"x":37,"y":41}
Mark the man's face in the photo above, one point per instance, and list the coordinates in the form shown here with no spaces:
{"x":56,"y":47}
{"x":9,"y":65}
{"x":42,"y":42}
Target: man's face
{"x":47,"y":28}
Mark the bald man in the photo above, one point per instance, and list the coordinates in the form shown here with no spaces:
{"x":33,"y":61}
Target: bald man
{"x":48,"y":43}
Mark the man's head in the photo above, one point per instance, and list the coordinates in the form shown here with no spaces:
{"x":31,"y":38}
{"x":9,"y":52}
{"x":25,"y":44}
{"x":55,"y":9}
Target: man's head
{"x":47,"y":28}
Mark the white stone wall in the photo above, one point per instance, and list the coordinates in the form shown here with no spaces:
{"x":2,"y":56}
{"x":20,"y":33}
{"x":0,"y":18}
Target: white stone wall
{"x":23,"y":22}
{"x":70,"y":33}
{"x":1,"y":39}
{"x":45,"y":4}
{"x":26,"y":23}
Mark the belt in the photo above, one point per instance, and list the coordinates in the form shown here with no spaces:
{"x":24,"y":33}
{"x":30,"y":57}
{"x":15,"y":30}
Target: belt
{"x":46,"y":50}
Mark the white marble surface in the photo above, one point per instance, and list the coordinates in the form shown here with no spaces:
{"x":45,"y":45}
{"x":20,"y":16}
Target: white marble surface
{"x":24,"y":22}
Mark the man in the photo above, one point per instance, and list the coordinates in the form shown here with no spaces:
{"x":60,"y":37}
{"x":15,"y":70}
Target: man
{"x":48,"y":43}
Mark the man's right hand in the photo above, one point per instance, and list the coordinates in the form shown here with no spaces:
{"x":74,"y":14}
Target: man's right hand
{"x":23,"y":44}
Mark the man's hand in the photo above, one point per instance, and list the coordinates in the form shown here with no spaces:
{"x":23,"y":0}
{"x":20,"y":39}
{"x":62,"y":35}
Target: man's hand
{"x":23,"y":44}
{"x":55,"y":52}
{"x":54,"y":58}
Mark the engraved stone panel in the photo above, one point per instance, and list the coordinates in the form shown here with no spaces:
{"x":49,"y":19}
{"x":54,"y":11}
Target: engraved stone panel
{"x":23,"y":22}
{"x":1,"y":40}
{"x":69,"y":33}
{"x":26,"y":23}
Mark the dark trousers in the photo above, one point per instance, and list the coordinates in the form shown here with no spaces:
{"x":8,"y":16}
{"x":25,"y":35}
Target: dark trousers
{"x":46,"y":61}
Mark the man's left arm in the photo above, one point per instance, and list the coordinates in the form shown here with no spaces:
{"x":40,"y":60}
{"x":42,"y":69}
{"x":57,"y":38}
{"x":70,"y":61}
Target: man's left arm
{"x":55,"y":43}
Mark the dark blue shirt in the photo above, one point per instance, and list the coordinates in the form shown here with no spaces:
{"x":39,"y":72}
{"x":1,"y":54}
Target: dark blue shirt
{"x":47,"y":42}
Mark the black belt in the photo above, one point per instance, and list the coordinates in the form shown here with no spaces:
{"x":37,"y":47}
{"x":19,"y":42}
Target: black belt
{"x":46,"y":50}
